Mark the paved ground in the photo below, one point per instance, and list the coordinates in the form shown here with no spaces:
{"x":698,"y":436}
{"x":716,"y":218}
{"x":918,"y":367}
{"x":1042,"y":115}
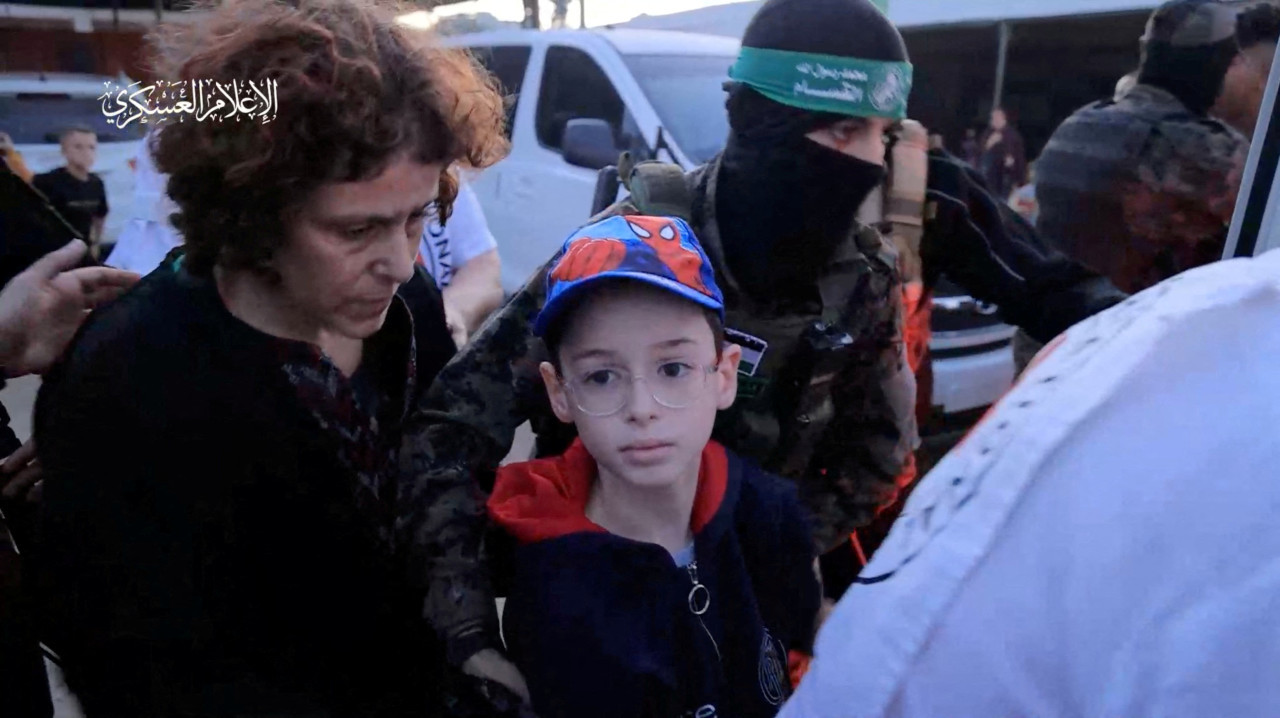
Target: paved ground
{"x":18,"y":397}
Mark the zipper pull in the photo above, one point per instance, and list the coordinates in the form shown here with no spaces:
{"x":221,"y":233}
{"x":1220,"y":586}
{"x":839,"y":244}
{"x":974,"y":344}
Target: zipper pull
{"x":699,"y":595}
{"x":699,"y":602}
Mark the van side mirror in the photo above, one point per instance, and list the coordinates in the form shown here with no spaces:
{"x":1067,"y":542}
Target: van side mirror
{"x":589,"y":142}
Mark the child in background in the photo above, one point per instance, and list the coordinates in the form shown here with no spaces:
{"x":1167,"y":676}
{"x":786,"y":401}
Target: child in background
{"x":77,"y":193}
{"x":657,"y":574}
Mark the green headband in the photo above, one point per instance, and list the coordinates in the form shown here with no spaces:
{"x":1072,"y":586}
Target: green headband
{"x":826,"y":83}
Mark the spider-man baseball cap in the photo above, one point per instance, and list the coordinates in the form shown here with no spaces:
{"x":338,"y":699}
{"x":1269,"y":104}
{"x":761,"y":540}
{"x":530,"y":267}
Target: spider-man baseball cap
{"x":661,"y":251}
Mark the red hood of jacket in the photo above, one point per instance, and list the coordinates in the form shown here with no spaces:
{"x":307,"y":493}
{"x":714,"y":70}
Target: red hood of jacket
{"x":547,"y":498}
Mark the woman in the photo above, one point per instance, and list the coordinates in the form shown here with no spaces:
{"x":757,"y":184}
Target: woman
{"x":226,"y":527}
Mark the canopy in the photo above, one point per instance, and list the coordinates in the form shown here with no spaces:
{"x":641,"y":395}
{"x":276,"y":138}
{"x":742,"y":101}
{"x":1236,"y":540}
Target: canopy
{"x":732,"y":19}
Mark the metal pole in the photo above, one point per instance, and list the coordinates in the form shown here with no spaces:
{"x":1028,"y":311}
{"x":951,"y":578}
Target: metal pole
{"x":582,"y":14}
{"x":159,"y":11}
{"x":1002,"y":58}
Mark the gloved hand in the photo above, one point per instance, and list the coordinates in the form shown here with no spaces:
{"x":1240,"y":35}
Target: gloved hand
{"x":982,"y":245}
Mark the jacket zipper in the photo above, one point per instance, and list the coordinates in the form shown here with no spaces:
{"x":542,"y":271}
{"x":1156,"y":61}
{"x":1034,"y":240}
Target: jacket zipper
{"x":699,"y":602}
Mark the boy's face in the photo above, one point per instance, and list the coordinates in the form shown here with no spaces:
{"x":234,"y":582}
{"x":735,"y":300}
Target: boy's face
{"x":649,"y":333}
{"x":80,"y":149}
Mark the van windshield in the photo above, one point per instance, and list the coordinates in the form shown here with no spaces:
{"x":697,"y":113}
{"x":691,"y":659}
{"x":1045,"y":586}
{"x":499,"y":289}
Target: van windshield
{"x":687,"y":91}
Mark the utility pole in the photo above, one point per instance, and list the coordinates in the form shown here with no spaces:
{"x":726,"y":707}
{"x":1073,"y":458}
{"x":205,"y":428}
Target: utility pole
{"x":1002,"y":60}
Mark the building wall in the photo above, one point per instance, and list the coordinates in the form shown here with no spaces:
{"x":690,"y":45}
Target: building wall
{"x":26,"y":49}
{"x":1054,"y":67}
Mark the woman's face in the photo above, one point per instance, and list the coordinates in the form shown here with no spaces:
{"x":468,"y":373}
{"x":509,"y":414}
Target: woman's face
{"x":352,"y":244}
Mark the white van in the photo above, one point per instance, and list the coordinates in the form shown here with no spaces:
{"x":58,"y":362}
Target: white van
{"x":580,"y":97}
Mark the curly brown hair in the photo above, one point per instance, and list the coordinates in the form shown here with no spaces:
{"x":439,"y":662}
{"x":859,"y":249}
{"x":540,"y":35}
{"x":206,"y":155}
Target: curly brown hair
{"x":355,"y":90}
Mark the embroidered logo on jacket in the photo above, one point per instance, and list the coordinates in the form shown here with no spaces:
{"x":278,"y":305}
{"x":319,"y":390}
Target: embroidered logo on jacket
{"x":772,"y":670}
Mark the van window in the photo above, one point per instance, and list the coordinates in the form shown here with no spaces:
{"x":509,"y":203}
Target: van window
{"x":39,"y":117}
{"x":507,"y":63}
{"x":687,"y":91}
{"x":574,"y":86}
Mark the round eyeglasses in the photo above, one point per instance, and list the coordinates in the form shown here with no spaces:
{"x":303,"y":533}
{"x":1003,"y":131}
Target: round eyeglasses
{"x":605,"y":392}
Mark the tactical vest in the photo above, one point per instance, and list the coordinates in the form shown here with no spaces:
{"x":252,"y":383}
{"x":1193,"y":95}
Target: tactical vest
{"x":1084,"y":172}
{"x":792,"y":355}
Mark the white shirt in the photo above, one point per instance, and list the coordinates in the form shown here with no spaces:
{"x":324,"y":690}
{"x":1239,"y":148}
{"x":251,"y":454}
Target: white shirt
{"x":147,"y":236}
{"x":467,"y":236}
{"x":1105,"y":544}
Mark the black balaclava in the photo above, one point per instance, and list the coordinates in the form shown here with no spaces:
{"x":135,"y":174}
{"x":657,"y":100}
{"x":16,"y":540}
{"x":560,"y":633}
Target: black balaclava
{"x":1188,"y":48}
{"x":784,"y":202}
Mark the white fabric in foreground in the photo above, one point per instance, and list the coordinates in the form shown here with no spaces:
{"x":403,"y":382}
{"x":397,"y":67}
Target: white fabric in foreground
{"x":1105,"y":544}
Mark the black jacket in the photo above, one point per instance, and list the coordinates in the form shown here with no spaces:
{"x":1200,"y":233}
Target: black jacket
{"x":202,"y":553}
{"x":29,"y":226}
{"x":604,"y":626}
{"x":981,"y":244}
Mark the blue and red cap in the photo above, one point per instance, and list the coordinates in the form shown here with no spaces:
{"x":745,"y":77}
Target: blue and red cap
{"x":659,"y":251}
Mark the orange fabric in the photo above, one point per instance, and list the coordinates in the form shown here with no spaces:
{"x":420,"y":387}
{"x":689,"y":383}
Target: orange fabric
{"x":798,"y":664}
{"x":14,"y":159}
{"x":547,"y":498}
{"x":916,"y":331}
{"x":855,"y":544}
{"x":908,"y":474}
{"x":916,"y":313}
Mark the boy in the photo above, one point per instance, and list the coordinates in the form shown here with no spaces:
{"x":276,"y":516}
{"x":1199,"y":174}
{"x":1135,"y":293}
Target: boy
{"x":657,"y":574}
{"x":78,"y":194}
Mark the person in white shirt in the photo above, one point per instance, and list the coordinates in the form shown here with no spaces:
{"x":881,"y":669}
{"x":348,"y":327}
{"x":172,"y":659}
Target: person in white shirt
{"x":1104,"y":544}
{"x":462,"y":256}
{"x":148,"y":235}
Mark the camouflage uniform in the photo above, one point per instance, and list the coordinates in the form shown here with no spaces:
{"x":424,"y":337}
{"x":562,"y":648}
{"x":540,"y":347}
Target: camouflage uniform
{"x":1141,"y":187}
{"x":492,"y":386}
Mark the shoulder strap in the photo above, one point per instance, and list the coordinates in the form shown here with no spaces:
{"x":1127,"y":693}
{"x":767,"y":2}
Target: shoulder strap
{"x":656,"y":188}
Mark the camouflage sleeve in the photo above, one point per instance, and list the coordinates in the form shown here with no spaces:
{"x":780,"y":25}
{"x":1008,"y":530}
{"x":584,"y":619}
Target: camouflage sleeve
{"x":454,"y":440}
{"x":1189,"y":176}
{"x":873,"y":433}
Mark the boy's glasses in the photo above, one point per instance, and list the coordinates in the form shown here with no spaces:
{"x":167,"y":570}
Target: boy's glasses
{"x":605,"y":392}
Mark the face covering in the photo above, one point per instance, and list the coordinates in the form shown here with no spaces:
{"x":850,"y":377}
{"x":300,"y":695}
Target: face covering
{"x":1194,"y":75}
{"x":783,"y":208}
